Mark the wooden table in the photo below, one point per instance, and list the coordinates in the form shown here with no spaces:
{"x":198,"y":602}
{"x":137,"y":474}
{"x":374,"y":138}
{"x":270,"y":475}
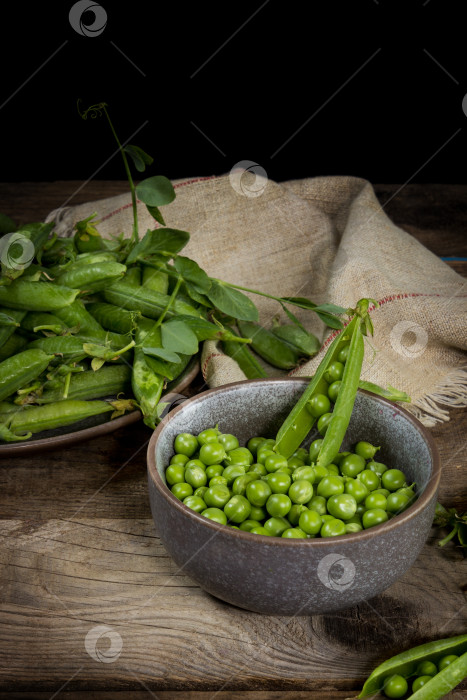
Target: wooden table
{"x":80,"y":551}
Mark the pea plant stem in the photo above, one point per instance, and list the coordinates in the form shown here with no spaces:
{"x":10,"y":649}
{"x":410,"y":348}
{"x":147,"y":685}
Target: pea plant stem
{"x":169,"y":303}
{"x":135,"y":233}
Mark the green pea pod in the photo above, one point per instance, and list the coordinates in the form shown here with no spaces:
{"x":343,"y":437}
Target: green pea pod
{"x":68,"y":346}
{"x":158,"y":280}
{"x":94,"y":277}
{"x":6,"y":319}
{"x":303,"y":342}
{"x":36,"y":296}
{"x":7,"y":331}
{"x":40,"y":320}
{"x":132,"y":277}
{"x":14,"y":344}
{"x":245,"y":359}
{"x":56,"y":415}
{"x":205,"y":330}
{"x":93,"y":257}
{"x":21,"y":369}
{"x":149,"y":302}
{"x":147,"y":388}
{"x":112,"y":318}
{"x":110,"y":380}
{"x":342,"y":411}
{"x":61,"y":251}
{"x":299,"y":421}
{"x":405,"y":665}
{"x":76,"y":314}
{"x":390,"y":393}
{"x":268,"y":346}
{"x":6,"y":435}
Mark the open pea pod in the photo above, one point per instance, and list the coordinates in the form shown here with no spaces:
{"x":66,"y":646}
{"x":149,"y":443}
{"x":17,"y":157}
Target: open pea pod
{"x":406,"y":663}
{"x":299,"y":422}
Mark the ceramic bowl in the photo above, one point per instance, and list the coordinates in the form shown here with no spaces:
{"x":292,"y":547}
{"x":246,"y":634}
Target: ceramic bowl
{"x":279,"y":576}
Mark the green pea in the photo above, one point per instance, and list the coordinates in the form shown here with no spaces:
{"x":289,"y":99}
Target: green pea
{"x":342,"y":506}
{"x":274,"y":462}
{"x":318,"y":404}
{"x":275,"y":526}
{"x":366,"y":449}
{"x":426,"y":668}
{"x":301,"y":453}
{"x":310,"y":522}
{"x":195,"y":463}
{"x":212,"y":453}
{"x":300,"y":491}
{"x":333,"y":390}
{"x":241,"y":482}
{"x":209,"y":435}
{"x":395,"y":686}
{"x":278,"y":482}
{"x":370,"y":479}
{"x":295,"y":463}
{"x":353,"y":527}
{"x":258,"y":492}
{"x":237,"y":509}
{"x":334,"y":372}
{"x":231,"y":473}
{"x":420,"y":682}
{"x":258,"y":469}
{"x":195,"y":503}
{"x":343,"y":353}
{"x":262,"y":453}
{"x":294,"y":533}
{"x":215,"y":514}
{"x":352,"y":465}
{"x":446,"y":661}
{"x":186,"y":444}
{"x":375,"y":500}
{"x":373,"y":517}
{"x":314,"y":449}
{"x":377,"y":467}
{"x":217,"y":480}
{"x":253,"y":444}
{"x":319,"y":472}
{"x":241,"y":455}
{"x":333,"y":469}
{"x":278,"y":505}
{"x":333,"y":528}
{"x":175,"y":474}
{"x":258,"y":513}
{"x":181,"y":490}
{"x":318,"y":504}
{"x":179,"y":459}
{"x":305,"y":472}
{"x":216,"y":496}
{"x":393,"y":479}
{"x":356,"y":489}
{"x":295,"y":512}
{"x":229,"y":442}
{"x":214,"y":470}
{"x":396,"y":502}
{"x":200,"y":491}
{"x":248,"y":525}
{"x":260,"y":530}
{"x":195,"y":476}
{"x":330,"y":486}
{"x":323,"y":423}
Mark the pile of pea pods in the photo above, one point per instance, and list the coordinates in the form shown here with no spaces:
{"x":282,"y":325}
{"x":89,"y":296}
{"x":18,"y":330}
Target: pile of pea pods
{"x":90,"y":325}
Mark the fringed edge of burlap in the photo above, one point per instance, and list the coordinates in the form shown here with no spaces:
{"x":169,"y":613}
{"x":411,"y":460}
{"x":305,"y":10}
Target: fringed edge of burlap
{"x":451,"y":392}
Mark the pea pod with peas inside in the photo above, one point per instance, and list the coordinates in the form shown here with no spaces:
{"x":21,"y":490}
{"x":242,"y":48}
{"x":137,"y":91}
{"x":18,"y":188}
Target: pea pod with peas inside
{"x":271,"y":348}
{"x":36,"y":296}
{"x":21,"y":369}
{"x":412,"y":663}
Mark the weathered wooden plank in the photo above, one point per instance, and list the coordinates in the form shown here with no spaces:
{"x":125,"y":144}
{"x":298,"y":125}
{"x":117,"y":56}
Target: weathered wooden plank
{"x":61,"y":579}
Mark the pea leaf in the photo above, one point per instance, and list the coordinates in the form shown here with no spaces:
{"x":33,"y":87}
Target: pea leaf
{"x":161,"y":240}
{"x":163,"y":353}
{"x":7,"y":225}
{"x":156,"y":214}
{"x":192,"y":273}
{"x":195,"y":295}
{"x":177,"y":336}
{"x":139,"y":157}
{"x":156,"y":191}
{"x":232,"y":302}
{"x":330,"y":309}
{"x":330,"y":320}
{"x":292,"y":317}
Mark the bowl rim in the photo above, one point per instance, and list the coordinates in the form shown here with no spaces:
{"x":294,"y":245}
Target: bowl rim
{"x":320,"y":542}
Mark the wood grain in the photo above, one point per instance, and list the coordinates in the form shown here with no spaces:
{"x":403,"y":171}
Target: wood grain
{"x":62,"y":578}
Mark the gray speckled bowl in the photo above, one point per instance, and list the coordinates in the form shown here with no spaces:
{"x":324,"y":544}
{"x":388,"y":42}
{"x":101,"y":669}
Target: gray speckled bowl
{"x":293,"y":576}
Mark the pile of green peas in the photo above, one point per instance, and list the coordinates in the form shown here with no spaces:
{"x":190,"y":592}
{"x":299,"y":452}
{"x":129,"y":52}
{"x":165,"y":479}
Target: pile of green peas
{"x":259,"y":491}
{"x":396,"y":686}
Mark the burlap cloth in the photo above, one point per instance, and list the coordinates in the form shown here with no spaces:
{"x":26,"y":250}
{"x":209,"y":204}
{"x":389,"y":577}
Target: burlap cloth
{"x":327,"y":239}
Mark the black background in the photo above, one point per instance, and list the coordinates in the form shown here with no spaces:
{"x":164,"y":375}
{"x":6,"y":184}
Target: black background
{"x":399,"y":117}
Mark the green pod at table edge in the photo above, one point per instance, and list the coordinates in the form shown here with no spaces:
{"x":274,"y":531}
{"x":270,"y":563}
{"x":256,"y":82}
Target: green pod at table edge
{"x":406,"y":663}
{"x":56,"y":415}
{"x":299,"y":421}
